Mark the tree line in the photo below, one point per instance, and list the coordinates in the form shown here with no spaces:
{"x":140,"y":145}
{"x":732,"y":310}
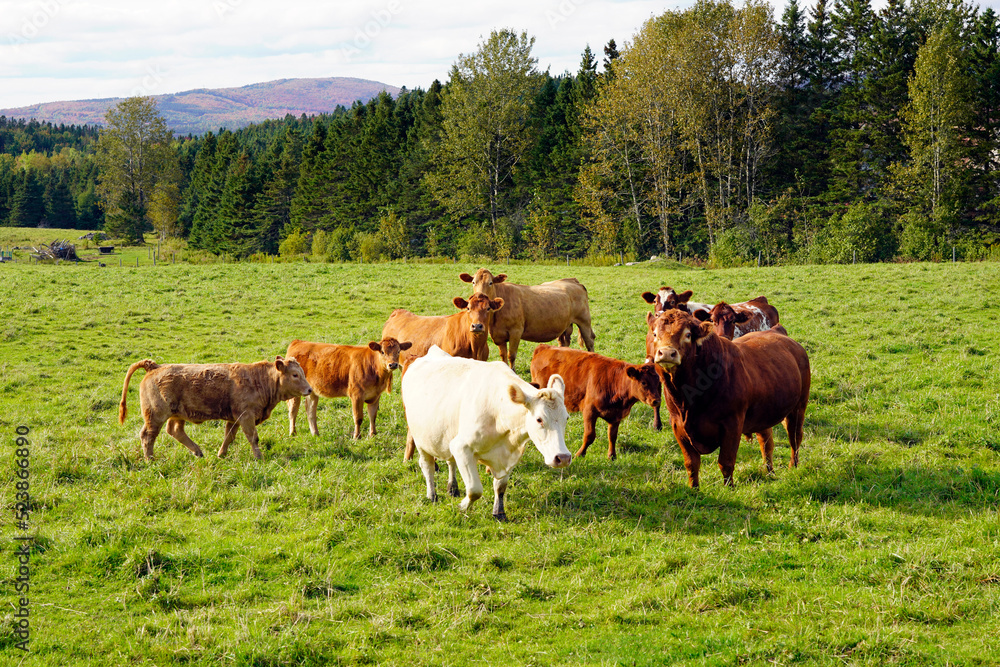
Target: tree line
{"x":833,"y":133}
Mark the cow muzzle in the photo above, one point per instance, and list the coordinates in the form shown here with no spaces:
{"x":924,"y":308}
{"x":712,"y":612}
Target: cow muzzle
{"x":561,"y":460}
{"x":393,"y":366}
{"x":668,"y":357}
{"x":477,"y":328}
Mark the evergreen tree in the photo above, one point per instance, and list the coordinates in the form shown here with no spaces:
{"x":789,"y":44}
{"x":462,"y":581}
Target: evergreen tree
{"x":28,"y":209}
{"x":272,"y":209}
{"x":60,"y":209}
{"x":984,"y":128}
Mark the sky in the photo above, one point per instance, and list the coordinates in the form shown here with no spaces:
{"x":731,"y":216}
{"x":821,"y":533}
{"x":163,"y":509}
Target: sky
{"x":55,"y":50}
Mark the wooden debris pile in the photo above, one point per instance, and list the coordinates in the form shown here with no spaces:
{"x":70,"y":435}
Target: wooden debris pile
{"x":55,"y":250}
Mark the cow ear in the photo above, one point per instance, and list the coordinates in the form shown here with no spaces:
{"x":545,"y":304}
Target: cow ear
{"x":465,"y":277}
{"x":556,"y":383}
{"x":650,"y":317}
{"x":742,"y":316}
{"x":279,"y":363}
{"x":684,"y":296}
{"x":517,"y":395}
{"x":633,"y":372}
{"x":648,"y":297}
{"x":405,"y":346}
{"x":496,"y":304}
{"x":500,"y":278}
{"x":372,"y":345}
{"x":460,"y":303}
{"x":702,"y":315}
{"x":702,"y":334}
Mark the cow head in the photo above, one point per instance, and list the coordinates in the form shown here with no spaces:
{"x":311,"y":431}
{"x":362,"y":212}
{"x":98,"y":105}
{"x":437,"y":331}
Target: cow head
{"x":389,"y":348}
{"x":647,"y":383}
{"x":667,"y":299}
{"x":676,"y":335}
{"x":484,"y":282}
{"x":545,"y":419}
{"x":479,"y":307}
{"x":291,"y":379}
{"x":724,"y":318}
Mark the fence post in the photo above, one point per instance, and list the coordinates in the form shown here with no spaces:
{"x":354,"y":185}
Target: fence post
{"x":567,"y":260}
{"x":953,"y":254}
{"x":854,"y":256}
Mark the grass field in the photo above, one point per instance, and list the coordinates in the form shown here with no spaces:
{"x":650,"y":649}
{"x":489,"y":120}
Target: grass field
{"x":883,"y":547}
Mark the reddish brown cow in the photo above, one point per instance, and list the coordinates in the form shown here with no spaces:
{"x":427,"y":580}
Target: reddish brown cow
{"x":734,"y":321}
{"x":597,"y":386}
{"x":240,"y":394}
{"x":463,"y":334}
{"x":716,"y":389}
{"x":538,"y":313}
{"x":360,"y":372}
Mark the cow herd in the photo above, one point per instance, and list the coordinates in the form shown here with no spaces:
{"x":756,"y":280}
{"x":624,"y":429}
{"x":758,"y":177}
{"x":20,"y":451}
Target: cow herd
{"x":724,"y":372}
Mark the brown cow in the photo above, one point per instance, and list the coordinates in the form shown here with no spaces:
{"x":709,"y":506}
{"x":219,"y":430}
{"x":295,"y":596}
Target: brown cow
{"x":597,"y":386}
{"x":240,"y":394}
{"x":717,"y":390}
{"x":463,"y":334}
{"x":537,"y":313}
{"x":360,"y":372}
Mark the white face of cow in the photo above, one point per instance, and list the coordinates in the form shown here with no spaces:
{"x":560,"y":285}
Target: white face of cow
{"x":545,"y":420}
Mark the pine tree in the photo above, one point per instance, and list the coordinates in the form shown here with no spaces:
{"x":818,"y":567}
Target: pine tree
{"x":28,"y":209}
{"x":60,"y":210}
{"x":984,"y":128}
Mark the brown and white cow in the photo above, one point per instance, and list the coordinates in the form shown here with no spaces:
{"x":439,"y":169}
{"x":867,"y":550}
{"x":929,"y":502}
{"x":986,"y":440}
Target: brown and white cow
{"x":668,"y":299}
{"x":360,"y":372}
{"x":736,"y":320}
{"x":463,"y":334}
{"x":753,"y":315}
{"x":597,"y":386}
{"x":537,"y":313}
{"x":717,"y":390}
{"x":242,"y":395}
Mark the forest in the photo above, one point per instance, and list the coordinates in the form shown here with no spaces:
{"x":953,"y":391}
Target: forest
{"x":720,"y":133}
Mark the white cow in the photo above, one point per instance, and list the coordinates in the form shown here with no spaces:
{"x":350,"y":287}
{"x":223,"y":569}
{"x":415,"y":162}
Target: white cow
{"x":468,"y":412}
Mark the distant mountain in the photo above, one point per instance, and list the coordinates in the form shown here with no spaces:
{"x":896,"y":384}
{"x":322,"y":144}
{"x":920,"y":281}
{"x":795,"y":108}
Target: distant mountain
{"x":197,"y":111}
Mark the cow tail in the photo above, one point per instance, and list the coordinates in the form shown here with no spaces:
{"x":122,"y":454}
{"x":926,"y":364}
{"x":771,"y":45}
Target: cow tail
{"x":148,"y":365}
{"x":410,"y":446}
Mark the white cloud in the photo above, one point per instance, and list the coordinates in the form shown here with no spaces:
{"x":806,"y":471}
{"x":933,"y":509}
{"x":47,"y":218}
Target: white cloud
{"x":53,"y":50}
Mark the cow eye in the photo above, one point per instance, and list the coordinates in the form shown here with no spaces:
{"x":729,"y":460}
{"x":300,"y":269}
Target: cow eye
{"x":539,"y":420}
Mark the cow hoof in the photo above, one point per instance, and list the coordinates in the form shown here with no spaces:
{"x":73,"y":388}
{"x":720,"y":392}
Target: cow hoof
{"x":502,"y":517}
{"x":580,"y":454}
{"x":453,"y":491}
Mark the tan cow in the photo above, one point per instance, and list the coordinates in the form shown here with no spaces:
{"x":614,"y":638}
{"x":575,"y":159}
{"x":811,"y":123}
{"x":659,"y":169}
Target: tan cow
{"x":360,"y":372}
{"x":463,"y":334}
{"x":537,"y":313}
{"x":239,"y":394}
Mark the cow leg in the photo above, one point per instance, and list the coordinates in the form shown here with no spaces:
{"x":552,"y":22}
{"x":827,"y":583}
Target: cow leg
{"x":613,"y":439}
{"x":515,"y":340}
{"x":175,"y":429}
{"x":427,"y":467}
{"x":312,"y":401}
{"x":147,"y":436}
{"x":766,"y":439}
{"x":566,"y":337}
{"x":293,"y":413}
{"x":453,"y":480}
{"x":250,"y":431}
{"x":657,"y":423}
{"x":502,"y":348}
{"x":727,"y":453}
{"x":692,"y":459}
{"x":499,"y":490}
{"x":372,"y":413}
{"x":468,"y":468}
{"x":356,"y":409}
{"x":228,"y":439}
{"x":793,"y":424}
{"x":589,"y":430}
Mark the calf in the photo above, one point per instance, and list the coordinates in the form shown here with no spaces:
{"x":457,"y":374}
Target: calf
{"x":463,"y":334}
{"x":468,"y":412}
{"x":717,"y":390}
{"x":597,"y":386}
{"x":360,"y":372}
{"x":239,"y":394}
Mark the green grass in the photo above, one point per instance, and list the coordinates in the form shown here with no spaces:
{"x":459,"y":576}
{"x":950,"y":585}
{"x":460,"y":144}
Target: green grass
{"x":883,"y":547}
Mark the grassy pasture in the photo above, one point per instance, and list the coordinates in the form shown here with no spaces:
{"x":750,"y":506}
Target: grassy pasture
{"x":883,"y":547}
